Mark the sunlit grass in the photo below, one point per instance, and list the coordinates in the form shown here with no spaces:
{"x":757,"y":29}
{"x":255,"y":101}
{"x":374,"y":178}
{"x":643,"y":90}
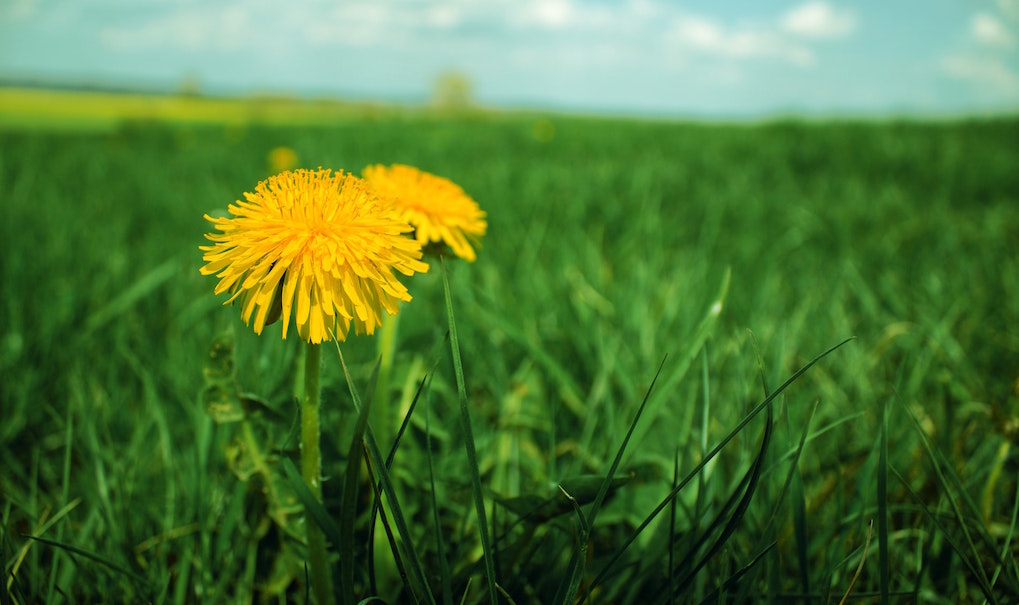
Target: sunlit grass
{"x":612,"y":245}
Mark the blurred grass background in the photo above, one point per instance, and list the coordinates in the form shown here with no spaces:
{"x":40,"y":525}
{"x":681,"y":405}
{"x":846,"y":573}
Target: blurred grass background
{"x":609,"y":241}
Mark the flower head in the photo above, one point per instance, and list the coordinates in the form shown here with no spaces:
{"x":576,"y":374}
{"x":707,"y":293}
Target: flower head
{"x":282,"y":158}
{"x":318,"y":243}
{"x":438,"y":209}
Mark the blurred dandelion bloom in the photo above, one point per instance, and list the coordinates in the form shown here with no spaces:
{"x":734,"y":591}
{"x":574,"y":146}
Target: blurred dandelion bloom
{"x":438,"y":209}
{"x":282,"y":158}
{"x":318,"y":243}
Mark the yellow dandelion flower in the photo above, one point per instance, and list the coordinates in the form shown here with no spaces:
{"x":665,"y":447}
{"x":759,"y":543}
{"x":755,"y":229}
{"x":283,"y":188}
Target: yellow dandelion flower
{"x":282,"y":158}
{"x":438,"y":209}
{"x":318,"y":243}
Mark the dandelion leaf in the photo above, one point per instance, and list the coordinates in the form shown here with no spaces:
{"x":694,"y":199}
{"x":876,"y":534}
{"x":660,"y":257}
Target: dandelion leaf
{"x":221,"y":395}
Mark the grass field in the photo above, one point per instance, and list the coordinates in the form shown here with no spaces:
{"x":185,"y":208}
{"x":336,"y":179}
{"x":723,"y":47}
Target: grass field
{"x":736,"y":253}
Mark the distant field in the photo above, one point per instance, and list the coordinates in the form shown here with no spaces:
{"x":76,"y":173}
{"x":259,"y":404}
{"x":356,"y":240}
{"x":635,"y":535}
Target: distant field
{"x":891,"y":472}
{"x":78,"y":110}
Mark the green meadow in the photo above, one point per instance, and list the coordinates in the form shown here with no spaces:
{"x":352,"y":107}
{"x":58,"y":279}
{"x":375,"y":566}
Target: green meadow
{"x":632,"y":338}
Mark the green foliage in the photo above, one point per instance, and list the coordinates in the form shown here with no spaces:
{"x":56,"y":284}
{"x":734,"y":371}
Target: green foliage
{"x":145,"y":453}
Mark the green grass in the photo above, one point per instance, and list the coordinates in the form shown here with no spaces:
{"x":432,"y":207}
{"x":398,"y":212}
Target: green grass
{"x":888,"y":470}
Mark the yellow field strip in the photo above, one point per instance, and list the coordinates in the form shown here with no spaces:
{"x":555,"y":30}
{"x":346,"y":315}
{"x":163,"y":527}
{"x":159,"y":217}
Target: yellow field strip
{"x":41,"y":107}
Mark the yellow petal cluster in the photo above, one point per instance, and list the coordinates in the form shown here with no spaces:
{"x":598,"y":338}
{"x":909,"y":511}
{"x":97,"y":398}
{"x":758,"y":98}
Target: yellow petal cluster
{"x":438,"y":209}
{"x":316,"y":245}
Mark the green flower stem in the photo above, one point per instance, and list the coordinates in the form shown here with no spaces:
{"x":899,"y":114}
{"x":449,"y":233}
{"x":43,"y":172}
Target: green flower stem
{"x":311,"y":472}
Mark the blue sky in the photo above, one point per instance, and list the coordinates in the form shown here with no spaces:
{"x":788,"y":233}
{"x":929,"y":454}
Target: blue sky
{"x":703,"y":58}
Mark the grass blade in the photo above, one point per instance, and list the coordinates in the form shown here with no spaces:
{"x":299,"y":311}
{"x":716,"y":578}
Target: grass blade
{"x":751,"y":479}
{"x":714,"y":452}
{"x":702,"y":477}
{"x":859,"y":568}
{"x":567,"y":591}
{"x":734,"y":579}
{"x":318,"y":512}
{"x":882,"y":507}
{"x":394,"y":545}
{"x":377,"y":503}
{"x":440,"y":546}
{"x":5,"y":591}
{"x":949,"y":487}
{"x":793,"y":485}
{"x":416,"y":577}
{"x":142,"y":287}
{"x":472,"y":455}
{"x":672,"y":527}
{"x":696,"y":343}
{"x":799,"y":504}
{"x":606,"y":483}
{"x":935,"y":518}
{"x":139,"y":581}
{"x":1006,"y":546}
{"x":793,"y":481}
{"x":348,"y":506}
{"x":406,"y":418}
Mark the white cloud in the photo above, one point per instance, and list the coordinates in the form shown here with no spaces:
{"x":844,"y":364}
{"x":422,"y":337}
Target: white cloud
{"x":983,"y":72}
{"x":363,"y":24}
{"x":989,"y":30}
{"x":561,"y":16}
{"x":540,"y":48}
{"x":710,"y":37}
{"x":699,"y":33}
{"x":646,"y":9}
{"x":563,"y":27}
{"x":196,"y":30}
{"x":265,"y":26}
{"x":444,"y":16}
{"x":555,"y":14}
{"x":819,"y":20}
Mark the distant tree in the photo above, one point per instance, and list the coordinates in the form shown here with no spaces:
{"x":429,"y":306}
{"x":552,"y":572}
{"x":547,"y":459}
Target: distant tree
{"x":452,"y":90}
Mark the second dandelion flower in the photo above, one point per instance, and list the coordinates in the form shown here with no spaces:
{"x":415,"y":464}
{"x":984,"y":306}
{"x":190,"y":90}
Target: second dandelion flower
{"x":438,"y":209}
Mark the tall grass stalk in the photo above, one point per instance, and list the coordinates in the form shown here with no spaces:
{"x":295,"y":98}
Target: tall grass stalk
{"x":468,"y":431}
{"x":588,"y":522}
{"x":950,"y":487}
{"x":377,"y":466}
{"x":348,"y":507}
{"x":884,"y":564}
{"x":1007,"y":544}
{"x":440,"y":545}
